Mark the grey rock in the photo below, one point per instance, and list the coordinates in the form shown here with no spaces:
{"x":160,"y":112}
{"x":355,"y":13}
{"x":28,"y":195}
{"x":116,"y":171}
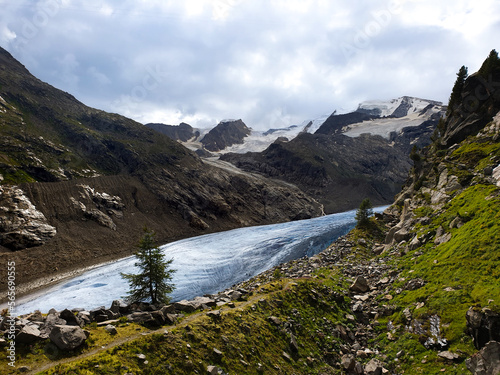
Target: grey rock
{"x":348,"y":362}
{"x":452,"y":184}
{"x":140,"y":317}
{"x":51,"y":321}
{"x":186,"y":306}
{"x":111,"y":329}
{"x":286,"y":356}
{"x":274,"y":320}
{"x":373,"y":367}
{"x":402,"y":235}
{"x":448,"y":355}
{"x":70,"y":318}
{"x":119,"y":307}
{"x":28,"y":334}
{"x":456,"y":223}
{"x":486,"y":361}
{"x":294,"y":346}
{"x":415,"y":284}
{"x":67,"y":337}
{"x":205,"y":301}
{"x":360,"y":285}
{"x":21,"y":224}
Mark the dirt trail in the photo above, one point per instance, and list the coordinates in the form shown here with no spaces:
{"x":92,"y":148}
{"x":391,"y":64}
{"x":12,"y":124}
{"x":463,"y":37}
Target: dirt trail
{"x":185,"y":321}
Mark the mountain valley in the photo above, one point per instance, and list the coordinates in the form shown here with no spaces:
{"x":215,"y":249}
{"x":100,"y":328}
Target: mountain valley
{"x":415,"y":290}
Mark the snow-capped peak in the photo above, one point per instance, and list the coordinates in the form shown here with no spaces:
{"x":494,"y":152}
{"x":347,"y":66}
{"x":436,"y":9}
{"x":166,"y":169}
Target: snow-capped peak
{"x":399,"y":107}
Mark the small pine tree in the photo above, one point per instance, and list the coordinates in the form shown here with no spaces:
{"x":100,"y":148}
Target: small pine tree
{"x":152,"y":282}
{"x":456,"y":92}
{"x":363,"y":213}
{"x":490,"y":65}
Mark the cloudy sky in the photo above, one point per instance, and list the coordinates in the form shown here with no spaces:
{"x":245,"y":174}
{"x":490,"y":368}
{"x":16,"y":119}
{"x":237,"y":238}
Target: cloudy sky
{"x":269,"y":62}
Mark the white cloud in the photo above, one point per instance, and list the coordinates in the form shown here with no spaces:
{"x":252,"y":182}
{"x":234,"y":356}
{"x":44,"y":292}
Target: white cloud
{"x":199,"y":61}
{"x":6,"y":35}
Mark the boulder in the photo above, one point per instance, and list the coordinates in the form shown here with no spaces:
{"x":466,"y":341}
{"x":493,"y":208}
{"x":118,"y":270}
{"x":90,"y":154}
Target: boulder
{"x":186,"y":306}
{"x":274,"y":320}
{"x":101,"y":314}
{"x":448,"y":355}
{"x":348,"y":362}
{"x":373,"y":367}
{"x":51,"y":321}
{"x":402,"y":235}
{"x":140,"y":317}
{"x":486,"y":361}
{"x":209,"y":302}
{"x":67,"y":337}
{"x":70,"y":318}
{"x":119,"y":307}
{"x":111,"y":329}
{"x":29,"y":334}
{"x":235,"y":295}
{"x":360,"y":285}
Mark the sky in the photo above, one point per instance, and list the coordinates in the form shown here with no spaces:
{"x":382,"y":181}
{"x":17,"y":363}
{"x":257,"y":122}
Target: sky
{"x":271,"y":63}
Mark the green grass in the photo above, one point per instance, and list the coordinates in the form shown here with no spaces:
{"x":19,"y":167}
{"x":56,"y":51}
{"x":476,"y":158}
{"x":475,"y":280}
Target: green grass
{"x":246,"y":338}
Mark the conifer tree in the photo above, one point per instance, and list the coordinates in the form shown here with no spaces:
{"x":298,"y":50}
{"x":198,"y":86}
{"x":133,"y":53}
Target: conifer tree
{"x":363,"y":213}
{"x":490,"y":65}
{"x":152,"y":281}
{"x":456,"y":93}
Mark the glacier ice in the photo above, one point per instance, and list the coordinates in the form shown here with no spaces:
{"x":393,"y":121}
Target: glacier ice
{"x":205,"y":264}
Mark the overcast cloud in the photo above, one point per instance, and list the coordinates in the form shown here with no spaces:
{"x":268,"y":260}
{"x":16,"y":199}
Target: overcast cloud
{"x":271,"y":63}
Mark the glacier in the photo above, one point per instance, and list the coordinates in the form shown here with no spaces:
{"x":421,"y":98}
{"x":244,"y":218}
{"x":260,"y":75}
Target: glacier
{"x":204,"y":265}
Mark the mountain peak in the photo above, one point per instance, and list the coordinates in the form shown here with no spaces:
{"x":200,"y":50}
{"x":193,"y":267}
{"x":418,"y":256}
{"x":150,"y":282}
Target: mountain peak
{"x":399,"y":107}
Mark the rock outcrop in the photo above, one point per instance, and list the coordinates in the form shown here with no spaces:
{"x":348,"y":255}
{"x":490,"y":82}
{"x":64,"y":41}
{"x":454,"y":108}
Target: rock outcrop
{"x":486,"y":361}
{"x":21,"y":224}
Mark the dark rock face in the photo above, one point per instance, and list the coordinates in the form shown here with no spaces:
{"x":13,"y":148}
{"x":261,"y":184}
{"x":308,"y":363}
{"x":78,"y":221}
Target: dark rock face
{"x":486,"y":361}
{"x":340,"y":171}
{"x":481,"y":101}
{"x":182,"y":132}
{"x":335,"y":123}
{"x":225,"y":134}
{"x":483,"y":325}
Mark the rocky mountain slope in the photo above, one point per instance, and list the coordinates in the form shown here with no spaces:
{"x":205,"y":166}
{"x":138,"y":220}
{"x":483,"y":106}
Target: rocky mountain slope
{"x":78,"y":184}
{"x":182,"y":132}
{"x":351,"y":156}
{"x":225,"y":134}
{"x":415,"y":291}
